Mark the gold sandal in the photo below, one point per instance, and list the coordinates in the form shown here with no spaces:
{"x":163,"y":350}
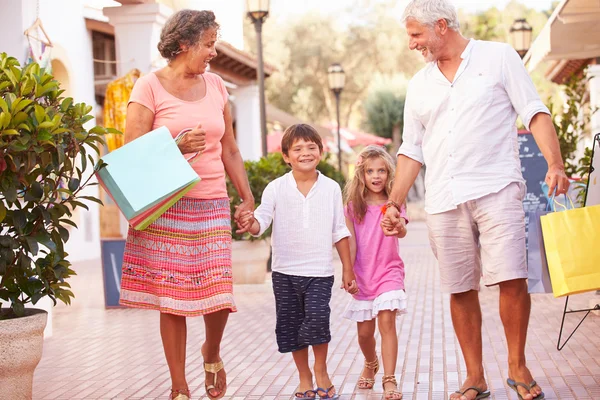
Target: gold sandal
{"x":214,"y":368}
{"x":368,"y":382}
{"x":180,"y":394}
{"x":391,"y":394}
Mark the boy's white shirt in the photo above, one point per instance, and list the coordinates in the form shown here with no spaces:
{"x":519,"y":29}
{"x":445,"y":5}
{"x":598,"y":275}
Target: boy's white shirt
{"x":304,"y":228}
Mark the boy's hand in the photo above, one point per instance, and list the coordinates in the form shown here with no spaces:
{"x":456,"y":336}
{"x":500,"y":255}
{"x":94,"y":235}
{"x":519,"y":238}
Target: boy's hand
{"x":349,"y":282}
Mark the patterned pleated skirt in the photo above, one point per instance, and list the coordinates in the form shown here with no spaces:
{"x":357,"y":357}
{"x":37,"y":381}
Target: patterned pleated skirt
{"x":181,"y":263}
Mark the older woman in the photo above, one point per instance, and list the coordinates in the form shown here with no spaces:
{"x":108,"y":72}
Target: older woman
{"x":181,"y":264}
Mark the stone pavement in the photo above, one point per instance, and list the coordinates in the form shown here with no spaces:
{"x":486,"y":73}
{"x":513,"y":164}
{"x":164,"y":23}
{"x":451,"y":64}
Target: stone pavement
{"x":96,"y":353}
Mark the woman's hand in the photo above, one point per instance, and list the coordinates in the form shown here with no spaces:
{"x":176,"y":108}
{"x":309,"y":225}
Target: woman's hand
{"x":194,"y":141}
{"x":244,"y":208}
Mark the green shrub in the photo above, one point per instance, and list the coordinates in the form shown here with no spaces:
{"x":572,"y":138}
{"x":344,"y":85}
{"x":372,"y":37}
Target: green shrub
{"x":43,"y":157}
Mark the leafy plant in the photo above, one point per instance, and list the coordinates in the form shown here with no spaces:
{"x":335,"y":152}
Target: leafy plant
{"x":43,"y":157}
{"x":265,"y":170}
{"x":573,"y":121}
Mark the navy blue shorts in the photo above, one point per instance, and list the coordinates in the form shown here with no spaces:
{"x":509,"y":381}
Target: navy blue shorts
{"x":302,"y":305}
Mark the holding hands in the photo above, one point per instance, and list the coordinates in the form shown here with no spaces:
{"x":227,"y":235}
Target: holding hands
{"x":349,"y":282}
{"x":244,"y":219}
{"x":392,"y":223}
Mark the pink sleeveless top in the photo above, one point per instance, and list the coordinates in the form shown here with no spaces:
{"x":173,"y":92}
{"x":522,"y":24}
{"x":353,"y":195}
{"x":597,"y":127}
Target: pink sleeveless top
{"x":177,"y":114}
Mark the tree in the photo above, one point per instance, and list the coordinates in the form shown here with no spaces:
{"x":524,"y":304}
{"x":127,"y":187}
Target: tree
{"x":384,"y":107}
{"x":302,"y":49}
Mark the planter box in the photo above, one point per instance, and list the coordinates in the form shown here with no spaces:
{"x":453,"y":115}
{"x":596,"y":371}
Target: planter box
{"x":249,"y":260}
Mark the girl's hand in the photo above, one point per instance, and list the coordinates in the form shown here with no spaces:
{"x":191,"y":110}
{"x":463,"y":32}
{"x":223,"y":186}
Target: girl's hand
{"x":349,"y":282}
{"x":390,"y":221}
{"x":194,"y":141}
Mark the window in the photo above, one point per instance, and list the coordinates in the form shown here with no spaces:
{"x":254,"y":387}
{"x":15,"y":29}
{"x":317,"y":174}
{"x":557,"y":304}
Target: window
{"x":105,"y":70}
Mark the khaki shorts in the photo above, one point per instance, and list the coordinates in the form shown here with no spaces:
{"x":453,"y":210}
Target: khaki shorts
{"x":482,"y":237}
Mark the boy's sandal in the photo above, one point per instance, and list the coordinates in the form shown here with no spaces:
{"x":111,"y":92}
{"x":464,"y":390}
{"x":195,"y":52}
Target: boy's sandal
{"x":180,"y":394}
{"x":325,"y":393}
{"x":305,"y":395}
{"x":368,"y":383}
{"x":214,"y":368}
{"x":394,"y":393}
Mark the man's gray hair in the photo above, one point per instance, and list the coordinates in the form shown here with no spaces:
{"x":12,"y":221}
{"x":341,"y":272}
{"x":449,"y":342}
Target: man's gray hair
{"x":428,"y":12}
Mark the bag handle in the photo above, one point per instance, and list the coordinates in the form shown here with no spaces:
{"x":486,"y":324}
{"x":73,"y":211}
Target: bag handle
{"x":567,"y":205}
{"x":191,"y":159}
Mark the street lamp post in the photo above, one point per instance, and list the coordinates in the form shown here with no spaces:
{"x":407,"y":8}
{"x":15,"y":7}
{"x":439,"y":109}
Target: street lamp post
{"x":258,"y":10}
{"x":337,"y":78}
{"x":520,"y":33}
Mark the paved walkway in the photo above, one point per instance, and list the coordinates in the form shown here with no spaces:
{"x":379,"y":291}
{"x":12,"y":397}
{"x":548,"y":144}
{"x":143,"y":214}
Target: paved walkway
{"x":116,"y":354}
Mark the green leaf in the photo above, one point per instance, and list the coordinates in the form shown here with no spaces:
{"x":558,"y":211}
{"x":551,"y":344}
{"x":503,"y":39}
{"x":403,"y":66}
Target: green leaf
{"x":91,"y":198}
{"x":66,"y":103}
{"x":4,"y":105}
{"x":10,"y":194}
{"x":46,"y":125}
{"x":73,"y":184}
{"x":19,"y":219}
{"x":64,"y":233}
{"x":2,"y":211}
{"x":36,"y":190}
{"x":44,"y":238}
{"x":40,"y":114}
{"x":68,"y":222}
{"x":10,"y":132}
{"x":33,"y":245}
{"x":21,"y":105}
{"x":18,"y":308}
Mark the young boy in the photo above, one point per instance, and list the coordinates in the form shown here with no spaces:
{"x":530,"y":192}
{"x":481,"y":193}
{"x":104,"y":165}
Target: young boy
{"x":308,"y":218}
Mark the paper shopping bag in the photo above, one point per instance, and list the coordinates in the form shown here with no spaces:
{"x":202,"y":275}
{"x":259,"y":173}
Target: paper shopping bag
{"x":571,"y":241}
{"x":147,"y":174}
{"x":538,"y":275}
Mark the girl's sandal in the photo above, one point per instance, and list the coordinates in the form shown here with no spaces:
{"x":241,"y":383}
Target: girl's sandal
{"x":214,"y":368}
{"x":393,"y":394}
{"x":180,"y":394}
{"x":368,"y":383}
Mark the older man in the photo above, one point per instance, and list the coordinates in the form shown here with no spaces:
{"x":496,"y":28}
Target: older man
{"x":459,"y":120}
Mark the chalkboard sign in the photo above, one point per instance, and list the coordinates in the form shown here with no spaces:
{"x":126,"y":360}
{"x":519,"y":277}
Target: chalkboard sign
{"x":112,"y":261}
{"x":534,"y":169}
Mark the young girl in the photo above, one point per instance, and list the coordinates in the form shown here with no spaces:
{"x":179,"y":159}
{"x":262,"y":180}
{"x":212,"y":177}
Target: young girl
{"x":377,"y":264}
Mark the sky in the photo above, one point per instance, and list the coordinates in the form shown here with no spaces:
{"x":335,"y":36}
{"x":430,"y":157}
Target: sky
{"x":288,"y":8}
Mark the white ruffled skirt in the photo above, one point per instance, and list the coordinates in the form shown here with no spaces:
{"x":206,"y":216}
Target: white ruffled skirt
{"x":366,"y":310}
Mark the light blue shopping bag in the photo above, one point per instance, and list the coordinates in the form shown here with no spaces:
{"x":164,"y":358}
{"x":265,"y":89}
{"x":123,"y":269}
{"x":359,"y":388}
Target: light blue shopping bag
{"x":145,"y":172}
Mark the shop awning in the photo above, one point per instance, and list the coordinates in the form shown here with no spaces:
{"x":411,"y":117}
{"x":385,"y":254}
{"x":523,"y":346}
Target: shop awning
{"x":571,"y":33}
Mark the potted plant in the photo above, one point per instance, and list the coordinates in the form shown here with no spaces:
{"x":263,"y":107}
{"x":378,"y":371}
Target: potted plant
{"x":250,"y":255}
{"x":43,"y":158}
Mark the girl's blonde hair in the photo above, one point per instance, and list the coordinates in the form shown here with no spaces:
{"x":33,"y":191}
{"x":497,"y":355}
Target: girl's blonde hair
{"x":356,"y":189}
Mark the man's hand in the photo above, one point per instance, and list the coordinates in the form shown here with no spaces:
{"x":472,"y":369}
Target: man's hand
{"x":349,"y":282}
{"x":390,"y":222}
{"x":557,"y":179}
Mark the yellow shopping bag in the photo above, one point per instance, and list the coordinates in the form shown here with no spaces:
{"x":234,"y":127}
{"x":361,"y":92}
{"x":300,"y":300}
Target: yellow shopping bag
{"x":572,"y":242}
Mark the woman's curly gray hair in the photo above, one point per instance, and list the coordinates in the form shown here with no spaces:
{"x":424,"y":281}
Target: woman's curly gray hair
{"x":184,"y":28}
{"x":428,"y":12}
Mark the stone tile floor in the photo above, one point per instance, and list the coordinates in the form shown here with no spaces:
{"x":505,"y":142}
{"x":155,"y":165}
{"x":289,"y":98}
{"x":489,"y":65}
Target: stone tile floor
{"x":96,"y":353}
